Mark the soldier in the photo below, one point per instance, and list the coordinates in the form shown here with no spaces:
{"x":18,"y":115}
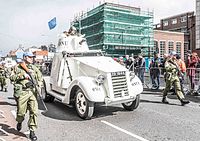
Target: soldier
{"x":72,"y":31}
{"x":3,"y":77}
{"x":25,"y":94}
{"x":172,"y":78}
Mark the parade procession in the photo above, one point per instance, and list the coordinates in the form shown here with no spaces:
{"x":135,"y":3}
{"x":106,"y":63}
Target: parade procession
{"x":111,"y":74}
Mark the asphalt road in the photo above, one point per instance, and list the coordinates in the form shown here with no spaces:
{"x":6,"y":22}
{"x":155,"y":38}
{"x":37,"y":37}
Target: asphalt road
{"x":151,"y":121}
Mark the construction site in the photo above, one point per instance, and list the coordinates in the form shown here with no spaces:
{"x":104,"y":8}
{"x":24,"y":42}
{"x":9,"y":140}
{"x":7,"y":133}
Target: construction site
{"x":117,"y":30}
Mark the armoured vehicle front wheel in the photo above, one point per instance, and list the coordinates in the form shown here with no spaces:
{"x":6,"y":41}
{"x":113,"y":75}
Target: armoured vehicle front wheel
{"x":84,"y":107}
{"x":130,"y":106}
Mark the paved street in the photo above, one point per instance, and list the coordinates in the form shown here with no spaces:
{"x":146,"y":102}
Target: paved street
{"x":152,"y":121}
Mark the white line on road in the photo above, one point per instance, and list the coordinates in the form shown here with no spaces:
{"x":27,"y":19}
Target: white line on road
{"x":125,"y":131}
{"x":14,"y":113}
{"x":1,"y":139}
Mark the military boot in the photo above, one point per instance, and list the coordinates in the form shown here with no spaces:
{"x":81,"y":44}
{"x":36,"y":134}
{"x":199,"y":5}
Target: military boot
{"x":184,"y":101}
{"x":32,"y":136}
{"x":19,"y":126}
{"x":164,"y":100}
{"x":6,"y":90}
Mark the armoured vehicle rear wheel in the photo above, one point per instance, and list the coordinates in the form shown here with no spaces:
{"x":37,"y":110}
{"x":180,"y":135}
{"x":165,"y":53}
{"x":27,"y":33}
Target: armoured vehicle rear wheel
{"x":84,"y":107}
{"x":45,"y":96}
{"x":130,"y":106}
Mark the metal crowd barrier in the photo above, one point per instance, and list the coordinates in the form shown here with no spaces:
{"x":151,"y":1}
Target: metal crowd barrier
{"x":191,"y":74}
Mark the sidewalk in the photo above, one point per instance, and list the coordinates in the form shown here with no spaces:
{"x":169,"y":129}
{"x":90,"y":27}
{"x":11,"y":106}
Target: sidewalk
{"x":8,"y":130}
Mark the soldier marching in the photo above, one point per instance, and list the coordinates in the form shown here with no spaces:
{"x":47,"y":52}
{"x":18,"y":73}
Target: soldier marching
{"x":172,"y":78}
{"x":3,"y":77}
{"x":25,"y":93}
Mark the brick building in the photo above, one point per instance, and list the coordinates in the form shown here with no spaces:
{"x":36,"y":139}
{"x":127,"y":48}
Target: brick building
{"x":198,"y":26}
{"x":166,"y":41}
{"x":184,"y":23}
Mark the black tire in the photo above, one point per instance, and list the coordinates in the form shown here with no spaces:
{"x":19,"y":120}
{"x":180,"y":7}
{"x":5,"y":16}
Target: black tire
{"x":130,"y":106}
{"x":84,"y":107}
{"x":45,"y":96}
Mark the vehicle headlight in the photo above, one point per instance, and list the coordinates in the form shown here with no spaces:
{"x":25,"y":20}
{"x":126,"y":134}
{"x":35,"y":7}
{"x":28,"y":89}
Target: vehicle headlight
{"x":132,"y":75}
{"x":100,"y":78}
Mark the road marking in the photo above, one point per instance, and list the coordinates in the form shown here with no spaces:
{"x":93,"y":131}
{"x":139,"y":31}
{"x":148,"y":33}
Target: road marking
{"x":1,"y":139}
{"x":14,"y":113}
{"x":125,"y":131}
{"x":27,"y":132}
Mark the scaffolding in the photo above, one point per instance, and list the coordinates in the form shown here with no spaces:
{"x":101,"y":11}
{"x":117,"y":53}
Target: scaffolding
{"x":117,"y":29}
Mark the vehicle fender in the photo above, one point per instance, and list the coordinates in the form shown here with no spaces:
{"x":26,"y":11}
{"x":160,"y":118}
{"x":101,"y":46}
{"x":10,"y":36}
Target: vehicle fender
{"x":92,"y":91}
{"x":136,"y":85}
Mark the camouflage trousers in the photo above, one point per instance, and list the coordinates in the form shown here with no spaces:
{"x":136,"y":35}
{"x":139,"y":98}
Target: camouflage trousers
{"x":176,"y":82}
{"x":3,"y":83}
{"x":27,"y":102}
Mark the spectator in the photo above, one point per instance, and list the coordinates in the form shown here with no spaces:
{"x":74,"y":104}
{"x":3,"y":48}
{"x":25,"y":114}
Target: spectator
{"x":192,"y":63}
{"x":141,"y":64}
{"x":129,"y":64}
{"x":121,"y":61}
{"x":136,"y":65}
{"x":181,"y":64}
{"x":155,"y":72}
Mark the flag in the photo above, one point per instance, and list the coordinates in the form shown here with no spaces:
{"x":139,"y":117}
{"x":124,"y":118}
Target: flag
{"x":52,"y":23}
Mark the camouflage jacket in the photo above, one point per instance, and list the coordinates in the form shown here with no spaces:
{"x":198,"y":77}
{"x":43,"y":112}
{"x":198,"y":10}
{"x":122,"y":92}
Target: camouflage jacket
{"x":20,"y":78}
{"x":3,"y":72}
{"x":171,"y":68}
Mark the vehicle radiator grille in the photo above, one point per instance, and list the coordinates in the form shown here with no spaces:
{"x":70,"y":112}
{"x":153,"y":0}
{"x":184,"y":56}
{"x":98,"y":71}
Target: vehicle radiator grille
{"x":119,"y":84}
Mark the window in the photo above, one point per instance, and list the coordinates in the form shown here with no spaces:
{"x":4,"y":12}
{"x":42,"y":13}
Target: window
{"x":183,"y":19}
{"x":153,"y":49}
{"x":178,"y":48}
{"x":186,"y":48}
{"x":162,"y":48}
{"x":170,"y":46}
{"x":165,"y":23}
{"x":174,"y":21}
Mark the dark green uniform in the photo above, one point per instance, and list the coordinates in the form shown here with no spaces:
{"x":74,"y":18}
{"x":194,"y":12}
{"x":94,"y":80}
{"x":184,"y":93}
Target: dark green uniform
{"x":25,"y":94}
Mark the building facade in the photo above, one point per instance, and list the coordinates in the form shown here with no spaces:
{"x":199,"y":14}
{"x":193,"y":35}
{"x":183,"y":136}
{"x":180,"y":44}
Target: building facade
{"x":117,"y":29}
{"x":184,"y":23}
{"x":198,"y":24}
{"x":167,"y":41}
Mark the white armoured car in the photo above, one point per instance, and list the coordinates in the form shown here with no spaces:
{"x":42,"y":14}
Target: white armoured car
{"x":85,"y":77}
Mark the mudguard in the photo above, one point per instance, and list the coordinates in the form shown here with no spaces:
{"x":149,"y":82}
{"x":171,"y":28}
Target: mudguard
{"x":92,"y":91}
{"x":136,"y":86}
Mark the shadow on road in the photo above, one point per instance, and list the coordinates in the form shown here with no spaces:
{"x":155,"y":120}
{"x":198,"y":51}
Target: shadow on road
{"x":103,"y":111}
{"x":6,"y":103}
{"x":10,"y":130}
{"x":158,"y":102}
{"x":170,"y":95}
{"x":59,"y":111}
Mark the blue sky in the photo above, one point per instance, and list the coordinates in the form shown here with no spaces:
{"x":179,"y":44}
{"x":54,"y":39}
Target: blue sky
{"x":25,"y":21}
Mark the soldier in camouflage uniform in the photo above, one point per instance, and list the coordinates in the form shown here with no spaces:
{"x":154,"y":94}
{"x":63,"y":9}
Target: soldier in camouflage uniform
{"x":25,"y":94}
{"x":172,"y":78}
{"x":3,"y":77}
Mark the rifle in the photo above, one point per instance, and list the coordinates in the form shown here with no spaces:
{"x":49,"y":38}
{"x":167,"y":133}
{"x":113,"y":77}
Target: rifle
{"x":35,"y":84}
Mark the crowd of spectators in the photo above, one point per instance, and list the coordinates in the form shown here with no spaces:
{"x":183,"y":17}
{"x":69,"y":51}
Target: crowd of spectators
{"x":189,"y":69}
